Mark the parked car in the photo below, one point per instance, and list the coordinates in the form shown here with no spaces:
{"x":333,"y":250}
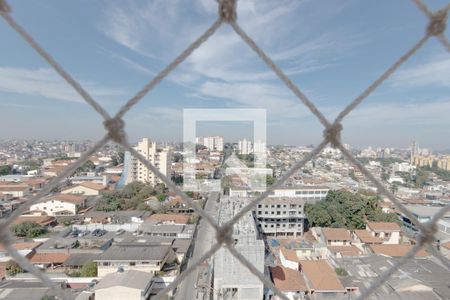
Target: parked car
{"x":120,"y":231}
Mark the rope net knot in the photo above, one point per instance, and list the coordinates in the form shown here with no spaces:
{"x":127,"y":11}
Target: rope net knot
{"x":437,"y":23}
{"x":427,"y":234}
{"x":4,"y":7}
{"x":225,"y":235}
{"x":227,"y":10}
{"x":5,"y":238}
{"x":333,"y":134}
{"x":115,"y":128}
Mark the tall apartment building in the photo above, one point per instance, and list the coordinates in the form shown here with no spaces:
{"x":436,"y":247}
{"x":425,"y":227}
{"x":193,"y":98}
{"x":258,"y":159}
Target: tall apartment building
{"x":213,"y":143}
{"x":160,"y":158}
{"x":281,"y":216}
{"x":259,"y":147}
{"x":245,"y":147}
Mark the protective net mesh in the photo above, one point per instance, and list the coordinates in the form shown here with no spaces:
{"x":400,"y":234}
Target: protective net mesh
{"x":115,"y":132}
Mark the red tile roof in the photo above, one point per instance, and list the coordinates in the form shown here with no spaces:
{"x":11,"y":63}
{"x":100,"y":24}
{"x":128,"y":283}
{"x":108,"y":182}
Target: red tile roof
{"x":49,"y":258}
{"x":41,"y":220}
{"x":23,"y":246}
{"x":346,"y":250}
{"x":289,"y":254}
{"x":75,"y":199}
{"x":320,"y":276}
{"x":366,"y":237}
{"x":336,"y":234}
{"x":383,"y":226}
{"x":287,"y":280}
{"x":395,"y":250}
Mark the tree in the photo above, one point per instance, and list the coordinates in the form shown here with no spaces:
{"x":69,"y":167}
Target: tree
{"x":12,"y":269}
{"x":28,"y":229}
{"x":340,"y":271}
{"x":88,"y":166}
{"x":89,"y":269}
{"x":5,"y":170}
{"x":270,"y":180}
{"x":346,"y":209}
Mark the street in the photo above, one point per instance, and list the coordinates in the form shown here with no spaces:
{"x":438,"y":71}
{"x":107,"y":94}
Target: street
{"x":202,"y":243}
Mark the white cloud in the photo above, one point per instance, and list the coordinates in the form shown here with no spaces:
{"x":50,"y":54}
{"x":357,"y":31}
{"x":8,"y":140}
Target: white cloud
{"x":434,"y":72}
{"x":161,"y":29}
{"x":46,"y":83}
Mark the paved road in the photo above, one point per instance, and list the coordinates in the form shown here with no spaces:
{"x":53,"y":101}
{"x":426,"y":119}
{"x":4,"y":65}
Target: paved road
{"x":203,"y":242}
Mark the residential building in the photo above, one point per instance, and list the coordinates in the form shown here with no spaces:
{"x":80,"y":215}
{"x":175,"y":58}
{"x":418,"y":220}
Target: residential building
{"x":60,"y":205}
{"x":281,"y":216}
{"x":424,"y":214}
{"x":130,"y":285}
{"x":289,"y":282}
{"x":259,"y":147}
{"x":232,"y":280}
{"x":85,"y":188}
{"x":159,"y":158}
{"x":213,"y":143}
{"x":16,"y":190}
{"x":333,"y":236}
{"x":136,"y":257}
{"x":310,"y":193}
{"x":322,"y":279}
{"x":388,"y":232}
{"x":245,"y":147}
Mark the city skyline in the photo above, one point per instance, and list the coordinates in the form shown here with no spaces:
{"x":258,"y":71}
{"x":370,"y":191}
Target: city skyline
{"x":332,"y":59}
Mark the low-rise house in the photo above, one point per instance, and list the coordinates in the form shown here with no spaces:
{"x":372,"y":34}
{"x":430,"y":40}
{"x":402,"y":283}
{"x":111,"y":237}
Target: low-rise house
{"x":321,"y":279}
{"x":48,"y":260}
{"x":15,"y":190}
{"x":336,"y":236}
{"x":75,"y":261}
{"x":388,"y":232}
{"x":36,"y":183}
{"x":363,"y":236}
{"x":168,"y":230}
{"x":60,"y":205}
{"x":40,"y":220}
{"x":85,"y":188}
{"x":144,"y":258}
{"x":289,"y":282}
{"x":130,"y":285}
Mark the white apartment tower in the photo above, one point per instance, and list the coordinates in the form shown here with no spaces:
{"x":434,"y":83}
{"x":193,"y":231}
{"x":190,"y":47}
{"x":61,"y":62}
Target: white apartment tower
{"x":245,"y":147}
{"x":213,"y":143}
{"x":160,"y":158}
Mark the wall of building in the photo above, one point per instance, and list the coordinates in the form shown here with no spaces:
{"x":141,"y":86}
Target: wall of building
{"x":118,"y":293}
{"x":52,"y":207}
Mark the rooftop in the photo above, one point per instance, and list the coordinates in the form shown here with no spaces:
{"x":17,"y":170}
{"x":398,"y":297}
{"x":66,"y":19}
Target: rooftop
{"x":287,"y":280}
{"x":175,"y":218}
{"x":395,"y":250}
{"x":383,"y":226}
{"x":366,"y":237}
{"x":130,"y":253}
{"x":320,"y":275}
{"x":336,"y":234}
{"x":131,"y":279}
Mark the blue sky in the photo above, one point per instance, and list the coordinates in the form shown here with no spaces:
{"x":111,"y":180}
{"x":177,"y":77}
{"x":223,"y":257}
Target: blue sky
{"x":331,"y":49}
